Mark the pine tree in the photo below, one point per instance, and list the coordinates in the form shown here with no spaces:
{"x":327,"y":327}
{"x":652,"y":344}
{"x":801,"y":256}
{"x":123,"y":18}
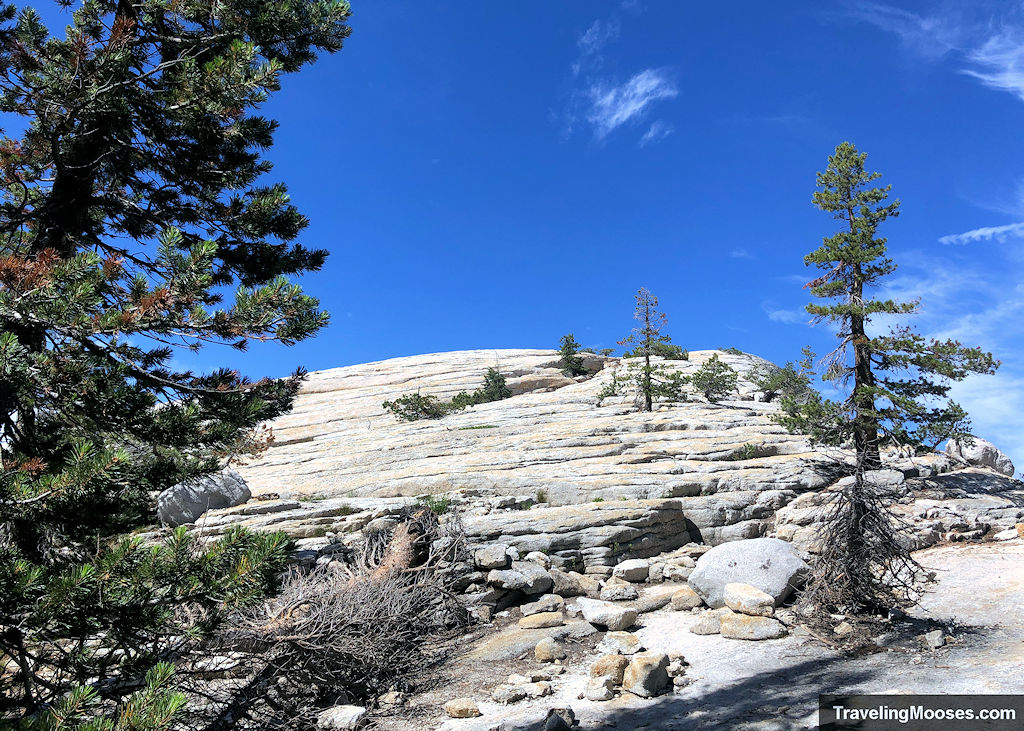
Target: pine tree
{"x":898,"y":387}
{"x":652,"y":380}
{"x":129,"y":208}
{"x":714,"y":379}
{"x":569,"y":357}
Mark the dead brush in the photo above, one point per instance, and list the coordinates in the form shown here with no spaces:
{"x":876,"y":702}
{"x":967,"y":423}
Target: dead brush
{"x":350,"y":630}
{"x":864,"y":569}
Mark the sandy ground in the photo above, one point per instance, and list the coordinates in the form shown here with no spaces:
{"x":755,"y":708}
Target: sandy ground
{"x":771,"y":684}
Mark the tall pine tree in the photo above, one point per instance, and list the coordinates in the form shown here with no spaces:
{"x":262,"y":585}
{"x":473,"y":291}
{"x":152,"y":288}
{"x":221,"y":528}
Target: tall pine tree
{"x":133,"y":222}
{"x":898,"y":385}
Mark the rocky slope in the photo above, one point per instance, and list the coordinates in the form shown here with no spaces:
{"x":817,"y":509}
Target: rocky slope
{"x":726,"y":470}
{"x":551,"y":440}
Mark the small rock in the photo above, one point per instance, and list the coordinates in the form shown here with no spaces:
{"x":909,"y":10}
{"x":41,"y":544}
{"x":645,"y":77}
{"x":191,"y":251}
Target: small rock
{"x":538,"y":689}
{"x":935,"y":639}
{"x":560,"y":719}
{"x":623,"y":643}
{"x":619,"y":593}
{"x":843,"y":628}
{"x":746,"y":599}
{"x":652,"y":603}
{"x":524,"y":576}
{"x":565,"y":584}
{"x":635,"y":570}
{"x":607,"y":615}
{"x":745,"y":627}
{"x":657,"y":573}
{"x":541,"y":620}
{"x":549,"y":650}
{"x":540,"y":558}
{"x":506,"y":694}
{"x":1006,"y":535}
{"x":675,"y":573}
{"x":684,"y":599}
{"x":710,"y":623}
{"x":587,"y":583}
{"x":341,"y":718}
{"x":547,"y":603}
{"x":484,"y":613}
{"x":380,"y":524}
{"x":462,"y":708}
{"x":1020,"y":530}
{"x":647,"y":675}
{"x":609,"y":666}
{"x":492,"y":557}
{"x":600,"y":689}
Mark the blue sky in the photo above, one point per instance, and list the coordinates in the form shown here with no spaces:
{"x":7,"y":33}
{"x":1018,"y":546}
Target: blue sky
{"x":490,"y":175}
{"x":488,"y":178}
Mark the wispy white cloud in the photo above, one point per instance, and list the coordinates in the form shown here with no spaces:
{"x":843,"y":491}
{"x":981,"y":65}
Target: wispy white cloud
{"x":986,"y":233}
{"x":740,"y":253}
{"x":591,"y":42}
{"x":786,"y":317}
{"x":602,"y":100}
{"x":613,"y":105}
{"x":658,"y":130}
{"x":995,"y":58}
{"x":999,"y":63}
{"x":932,"y":37}
{"x":594,"y":38}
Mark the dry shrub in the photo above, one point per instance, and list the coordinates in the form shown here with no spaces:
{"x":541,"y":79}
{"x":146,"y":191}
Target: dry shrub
{"x":373,"y":620}
{"x":865,"y":565}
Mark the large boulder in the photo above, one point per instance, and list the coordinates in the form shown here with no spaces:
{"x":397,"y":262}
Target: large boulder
{"x":188,"y":500}
{"x":981,"y":454}
{"x":768,"y":564}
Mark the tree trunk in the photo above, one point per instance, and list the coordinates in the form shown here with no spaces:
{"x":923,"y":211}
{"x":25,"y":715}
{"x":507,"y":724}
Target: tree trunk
{"x":865,"y":424}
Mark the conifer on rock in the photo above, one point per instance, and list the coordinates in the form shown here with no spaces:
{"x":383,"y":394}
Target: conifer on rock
{"x":134,"y":223}
{"x":898,"y":385}
{"x":651,"y":379}
{"x":569,"y":357}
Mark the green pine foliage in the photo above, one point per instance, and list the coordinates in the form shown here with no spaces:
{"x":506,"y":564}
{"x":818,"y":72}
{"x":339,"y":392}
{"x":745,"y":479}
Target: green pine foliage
{"x":786,"y":381}
{"x":415,"y":406}
{"x":136,"y":221}
{"x":667,"y":351}
{"x":900,"y":380}
{"x":569,"y":359}
{"x":714,"y":380}
{"x":651,"y":380}
{"x":897,"y":396}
